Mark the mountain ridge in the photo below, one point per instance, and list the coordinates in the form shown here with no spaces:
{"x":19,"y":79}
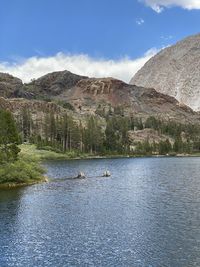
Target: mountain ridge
{"x":175,"y":70}
{"x":90,"y":96}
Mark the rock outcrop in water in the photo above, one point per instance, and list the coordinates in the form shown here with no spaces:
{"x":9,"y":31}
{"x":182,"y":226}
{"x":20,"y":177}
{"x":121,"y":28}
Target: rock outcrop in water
{"x":175,"y":71}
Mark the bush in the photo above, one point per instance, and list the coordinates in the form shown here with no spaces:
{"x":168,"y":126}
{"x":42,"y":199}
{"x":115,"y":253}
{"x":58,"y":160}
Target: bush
{"x":66,"y":105}
{"x":21,"y":171}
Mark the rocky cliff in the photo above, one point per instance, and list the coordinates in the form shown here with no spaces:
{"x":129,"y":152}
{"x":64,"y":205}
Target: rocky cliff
{"x":90,"y":95}
{"x":175,"y":71}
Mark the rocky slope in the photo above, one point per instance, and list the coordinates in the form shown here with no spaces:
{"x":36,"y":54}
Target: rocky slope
{"x":92,"y":95}
{"x":9,"y":85}
{"x":148,"y":134}
{"x":175,"y":71}
{"x":15,"y":105}
{"x":85,"y":96}
{"x":52,"y":84}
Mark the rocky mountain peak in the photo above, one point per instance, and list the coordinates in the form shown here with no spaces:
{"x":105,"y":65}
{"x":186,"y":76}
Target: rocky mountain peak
{"x":54,"y":83}
{"x":175,"y":71}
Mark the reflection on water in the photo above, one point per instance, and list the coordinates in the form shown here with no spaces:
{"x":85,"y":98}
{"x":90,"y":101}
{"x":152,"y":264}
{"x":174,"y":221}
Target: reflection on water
{"x":145,"y":214}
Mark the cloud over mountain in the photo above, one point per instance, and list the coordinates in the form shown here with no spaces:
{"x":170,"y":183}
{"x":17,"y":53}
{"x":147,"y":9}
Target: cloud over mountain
{"x":35,"y":67}
{"x":159,"y":5}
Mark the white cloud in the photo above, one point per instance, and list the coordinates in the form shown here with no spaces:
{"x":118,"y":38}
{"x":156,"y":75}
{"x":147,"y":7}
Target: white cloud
{"x":166,"y":38}
{"x":159,"y":5}
{"x":139,"y":21}
{"x":35,"y":67}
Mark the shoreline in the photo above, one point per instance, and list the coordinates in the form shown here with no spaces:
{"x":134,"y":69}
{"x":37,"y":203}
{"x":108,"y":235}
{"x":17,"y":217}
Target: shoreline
{"x":122,"y":156}
{"x":28,"y":183}
{"x":45,"y":155}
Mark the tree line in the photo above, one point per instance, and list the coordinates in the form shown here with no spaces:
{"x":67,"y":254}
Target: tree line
{"x":63,"y":133}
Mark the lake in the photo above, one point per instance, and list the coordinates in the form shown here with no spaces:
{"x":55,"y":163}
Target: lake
{"x":147,"y":214}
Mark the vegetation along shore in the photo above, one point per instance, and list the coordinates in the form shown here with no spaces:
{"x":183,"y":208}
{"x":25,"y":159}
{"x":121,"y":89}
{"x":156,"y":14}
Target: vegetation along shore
{"x":15,"y":169}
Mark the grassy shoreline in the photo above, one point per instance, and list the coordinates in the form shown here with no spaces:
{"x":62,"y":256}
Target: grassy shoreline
{"x":43,"y":154}
{"x":28,"y":150}
{"x":28,"y":171}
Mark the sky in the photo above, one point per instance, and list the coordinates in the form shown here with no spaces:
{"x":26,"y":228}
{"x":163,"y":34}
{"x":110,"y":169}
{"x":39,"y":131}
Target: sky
{"x":97,"y":38}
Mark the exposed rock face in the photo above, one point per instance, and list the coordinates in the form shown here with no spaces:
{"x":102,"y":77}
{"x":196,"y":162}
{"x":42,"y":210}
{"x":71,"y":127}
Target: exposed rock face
{"x":90,"y":94}
{"x":175,"y":71}
{"x":148,"y":134}
{"x":9,"y":85}
{"x":94,"y":91}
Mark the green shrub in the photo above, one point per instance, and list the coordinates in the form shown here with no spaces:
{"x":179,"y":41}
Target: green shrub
{"x":21,"y":171}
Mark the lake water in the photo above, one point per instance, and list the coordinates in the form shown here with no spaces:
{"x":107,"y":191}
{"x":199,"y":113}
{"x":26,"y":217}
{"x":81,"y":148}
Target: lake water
{"x":147,"y":214}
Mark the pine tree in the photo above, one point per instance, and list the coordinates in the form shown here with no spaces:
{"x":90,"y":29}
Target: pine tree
{"x":9,"y":137}
{"x":26,"y":122}
{"x":93,"y":136}
{"x":178,"y":144}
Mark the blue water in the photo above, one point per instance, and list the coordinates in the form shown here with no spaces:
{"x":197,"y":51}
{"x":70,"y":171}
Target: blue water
{"x":147,"y":214}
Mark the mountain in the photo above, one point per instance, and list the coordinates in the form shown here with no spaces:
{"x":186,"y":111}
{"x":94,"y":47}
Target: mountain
{"x":97,"y":96}
{"x":52,"y":84}
{"x":63,"y":110}
{"x":175,"y":71}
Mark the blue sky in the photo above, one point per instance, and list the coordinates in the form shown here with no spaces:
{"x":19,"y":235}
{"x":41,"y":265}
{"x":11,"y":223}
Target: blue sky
{"x":100,"y":31}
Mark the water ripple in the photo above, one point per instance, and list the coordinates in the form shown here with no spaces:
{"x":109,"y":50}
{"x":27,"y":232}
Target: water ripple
{"x":147,"y":214}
